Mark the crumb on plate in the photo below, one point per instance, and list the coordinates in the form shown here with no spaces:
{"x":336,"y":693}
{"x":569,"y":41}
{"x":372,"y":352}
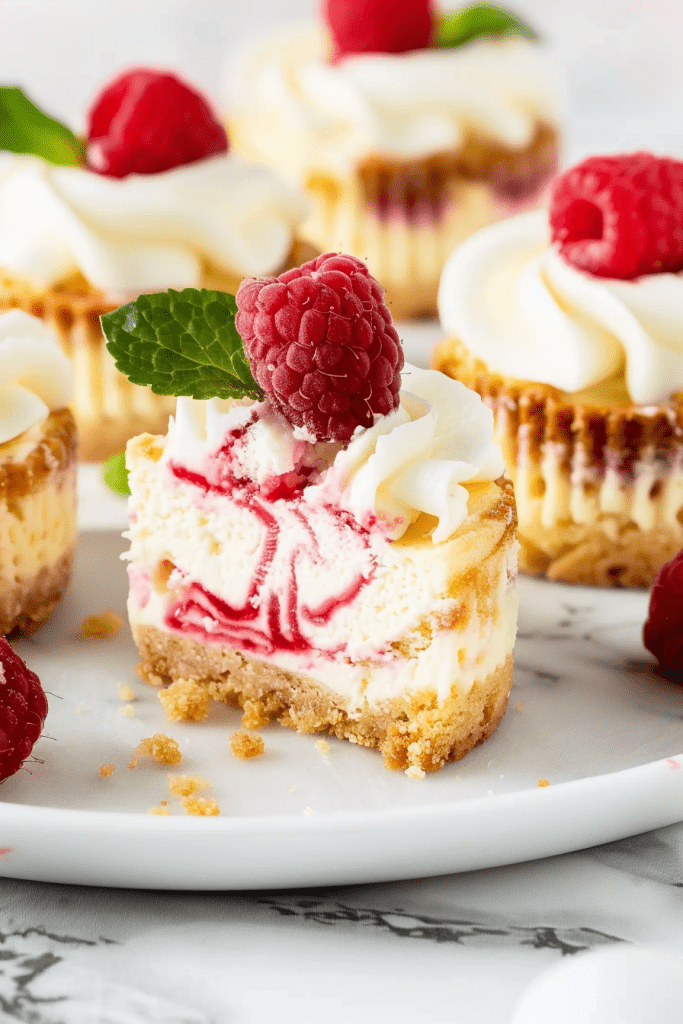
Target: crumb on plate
{"x":126,"y":692}
{"x":106,"y":770}
{"x":542,"y":783}
{"x":200,"y":806}
{"x":161,"y":811}
{"x":163,"y":749}
{"x":244,"y":745}
{"x":186,"y":785}
{"x":133,"y":763}
{"x":127,"y":711}
{"x":103,"y":626}
{"x":519,"y":706}
{"x":186,"y":701}
{"x":323,"y":746}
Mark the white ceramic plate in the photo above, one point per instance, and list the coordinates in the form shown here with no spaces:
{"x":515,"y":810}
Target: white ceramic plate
{"x":596,"y":722}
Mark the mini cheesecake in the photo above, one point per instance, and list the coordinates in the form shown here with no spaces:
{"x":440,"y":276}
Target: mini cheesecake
{"x":254,"y":582}
{"x":38,"y":457}
{"x":573,"y":336}
{"x":338,"y":553}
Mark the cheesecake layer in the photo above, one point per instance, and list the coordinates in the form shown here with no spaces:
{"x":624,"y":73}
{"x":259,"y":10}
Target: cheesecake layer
{"x":37,"y":521}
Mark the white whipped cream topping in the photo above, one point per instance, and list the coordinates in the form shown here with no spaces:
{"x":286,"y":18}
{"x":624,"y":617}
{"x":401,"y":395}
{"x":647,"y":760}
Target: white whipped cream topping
{"x":145,"y":232}
{"x":514,"y":302}
{"x":35,"y":375}
{"x":332,"y":116}
{"x":412,"y":461}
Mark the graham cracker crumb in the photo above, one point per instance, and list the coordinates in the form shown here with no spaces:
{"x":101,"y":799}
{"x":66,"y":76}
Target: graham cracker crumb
{"x":200,"y":806}
{"x":103,"y":626}
{"x":254,"y":714}
{"x":161,"y":810}
{"x":542,"y":783}
{"x":106,"y":770}
{"x":244,"y":745}
{"x":127,"y":711}
{"x":323,"y":746}
{"x":78,"y":709}
{"x":133,"y":762}
{"x":186,"y":701}
{"x":186,"y":785}
{"x":162,"y":748}
{"x":126,"y":692}
{"x":519,"y":706}
{"x":415,"y":772}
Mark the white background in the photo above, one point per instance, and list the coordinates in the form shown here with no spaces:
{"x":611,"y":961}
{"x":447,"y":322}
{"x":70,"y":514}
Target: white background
{"x":622,"y":60}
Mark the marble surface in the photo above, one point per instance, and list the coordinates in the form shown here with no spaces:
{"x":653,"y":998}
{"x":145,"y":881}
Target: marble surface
{"x":451,"y":950}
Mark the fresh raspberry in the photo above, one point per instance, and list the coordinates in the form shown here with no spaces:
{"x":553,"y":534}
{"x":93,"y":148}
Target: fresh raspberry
{"x":663,"y":631}
{"x":23,"y":708}
{"x":321,"y":344}
{"x":620,"y":216}
{"x":378,"y":26}
{"x":147,"y":121}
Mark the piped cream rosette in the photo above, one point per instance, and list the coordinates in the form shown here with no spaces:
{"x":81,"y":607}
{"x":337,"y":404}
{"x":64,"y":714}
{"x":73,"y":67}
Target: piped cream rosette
{"x":36,"y":376}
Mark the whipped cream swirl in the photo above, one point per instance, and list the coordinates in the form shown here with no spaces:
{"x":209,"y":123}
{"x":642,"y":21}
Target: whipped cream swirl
{"x":514,"y":302}
{"x":329,"y":117}
{"x":414,"y":460}
{"x":35,"y":375}
{"x":145,"y":232}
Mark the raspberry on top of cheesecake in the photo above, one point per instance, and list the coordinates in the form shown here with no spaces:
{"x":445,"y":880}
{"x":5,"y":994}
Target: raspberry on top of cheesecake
{"x":37,"y":472}
{"x":331,"y":550}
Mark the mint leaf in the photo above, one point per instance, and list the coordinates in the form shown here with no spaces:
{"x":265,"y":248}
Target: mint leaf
{"x":459,"y":27}
{"x":116,"y":475}
{"x":26,"y":129}
{"x":181,"y":343}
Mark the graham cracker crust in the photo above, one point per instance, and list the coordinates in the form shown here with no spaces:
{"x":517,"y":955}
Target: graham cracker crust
{"x":27,"y":605}
{"x":412,"y":731}
{"x":608,"y":509}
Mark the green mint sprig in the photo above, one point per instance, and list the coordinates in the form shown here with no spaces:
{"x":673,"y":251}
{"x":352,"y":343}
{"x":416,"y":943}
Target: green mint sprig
{"x":116,"y":475}
{"x":24,"y":128}
{"x":181,"y":343}
{"x":459,"y":27}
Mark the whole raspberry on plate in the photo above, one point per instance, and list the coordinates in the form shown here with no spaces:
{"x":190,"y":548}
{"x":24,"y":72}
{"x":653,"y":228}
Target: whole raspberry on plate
{"x":320,"y":342}
{"x":23,"y":709}
{"x":620,"y":216}
{"x":663,"y":630}
{"x":378,"y":26}
{"x":147,"y":121}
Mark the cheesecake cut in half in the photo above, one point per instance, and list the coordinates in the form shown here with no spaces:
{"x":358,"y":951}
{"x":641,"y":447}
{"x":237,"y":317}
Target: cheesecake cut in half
{"x":366,"y":590}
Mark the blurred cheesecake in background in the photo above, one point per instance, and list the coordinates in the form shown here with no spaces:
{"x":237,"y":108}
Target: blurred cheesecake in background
{"x":153,"y":200}
{"x":409,"y":129}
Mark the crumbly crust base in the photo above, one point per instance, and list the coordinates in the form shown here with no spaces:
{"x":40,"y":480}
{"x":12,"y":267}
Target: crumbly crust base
{"x":26,"y":605}
{"x":619,"y":540}
{"x":108,"y":408}
{"x":413,"y":731}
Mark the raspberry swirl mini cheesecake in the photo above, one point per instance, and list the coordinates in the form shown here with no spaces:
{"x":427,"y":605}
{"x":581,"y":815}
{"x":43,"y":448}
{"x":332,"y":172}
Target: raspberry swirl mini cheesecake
{"x":337,"y":554}
{"x":571,"y":329}
{"x":153,"y":200}
{"x":408,"y":129}
{"x":38,"y":455}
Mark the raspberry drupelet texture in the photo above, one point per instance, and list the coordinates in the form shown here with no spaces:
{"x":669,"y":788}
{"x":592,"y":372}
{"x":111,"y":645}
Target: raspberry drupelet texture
{"x":663,"y":631}
{"x":378,"y":26}
{"x":321,"y":344}
{"x":149,"y":121}
{"x":23,"y":709}
{"x":620,"y":216}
